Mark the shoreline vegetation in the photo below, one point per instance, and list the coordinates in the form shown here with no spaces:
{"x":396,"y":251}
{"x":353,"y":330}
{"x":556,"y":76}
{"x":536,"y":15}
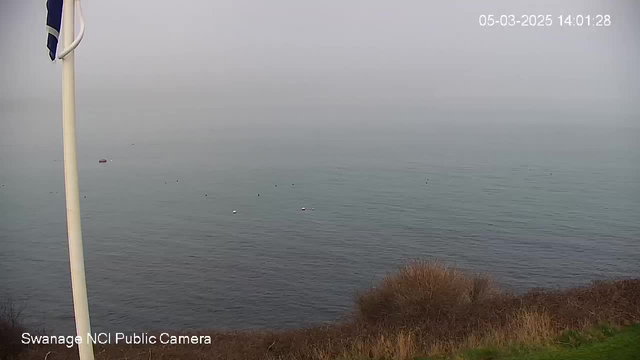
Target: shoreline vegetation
{"x":425,"y":310}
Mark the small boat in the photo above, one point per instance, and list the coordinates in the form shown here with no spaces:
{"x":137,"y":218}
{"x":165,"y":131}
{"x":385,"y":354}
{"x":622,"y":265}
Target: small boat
{"x":234,"y":211}
{"x":102,"y":161}
{"x":303,"y":209}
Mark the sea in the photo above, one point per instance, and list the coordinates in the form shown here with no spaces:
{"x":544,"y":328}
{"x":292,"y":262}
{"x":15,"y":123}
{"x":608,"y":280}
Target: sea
{"x":533,"y":198}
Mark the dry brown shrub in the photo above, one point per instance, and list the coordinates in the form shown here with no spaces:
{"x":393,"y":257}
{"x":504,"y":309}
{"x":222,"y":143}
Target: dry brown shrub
{"x":10,"y":331}
{"x":393,"y":346}
{"x":422,"y":289}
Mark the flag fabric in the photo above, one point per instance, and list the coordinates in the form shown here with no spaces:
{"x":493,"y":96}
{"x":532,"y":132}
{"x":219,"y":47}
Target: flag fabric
{"x":54,"y":19}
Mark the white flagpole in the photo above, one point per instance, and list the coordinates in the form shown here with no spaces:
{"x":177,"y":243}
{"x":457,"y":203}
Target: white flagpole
{"x":72,"y":191}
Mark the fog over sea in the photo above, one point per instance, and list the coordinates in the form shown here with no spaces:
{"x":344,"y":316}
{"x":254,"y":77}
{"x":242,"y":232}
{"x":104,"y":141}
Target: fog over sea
{"x":534,"y":198}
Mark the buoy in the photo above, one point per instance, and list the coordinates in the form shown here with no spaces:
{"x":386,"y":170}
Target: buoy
{"x":206,"y":195}
{"x":176,"y":180}
{"x":276,"y":185}
{"x":292,"y":184}
{"x":85,"y":196}
{"x":303,"y":209}
{"x":258,"y":194}
{"x":234,"y":211}
{"x":313,"y":209}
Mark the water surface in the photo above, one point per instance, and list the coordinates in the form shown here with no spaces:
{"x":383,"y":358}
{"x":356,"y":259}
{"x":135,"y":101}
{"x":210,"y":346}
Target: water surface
{"x":534,"y":199}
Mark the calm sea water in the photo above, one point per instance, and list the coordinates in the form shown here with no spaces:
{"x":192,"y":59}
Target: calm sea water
{"x":534,"y":199}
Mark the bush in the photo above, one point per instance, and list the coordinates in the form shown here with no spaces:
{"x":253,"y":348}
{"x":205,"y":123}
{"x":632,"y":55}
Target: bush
{"x":10,"y":331}
{"x":421,"y":289}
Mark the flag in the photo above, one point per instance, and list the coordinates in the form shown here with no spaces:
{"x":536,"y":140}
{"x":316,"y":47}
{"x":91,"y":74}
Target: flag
{"x":54,"y":18}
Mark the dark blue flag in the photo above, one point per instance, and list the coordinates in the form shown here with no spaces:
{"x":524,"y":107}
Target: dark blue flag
{"x":54,"y":18}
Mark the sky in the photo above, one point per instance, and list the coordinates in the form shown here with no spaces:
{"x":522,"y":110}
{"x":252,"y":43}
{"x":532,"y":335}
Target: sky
{"x":335,"y":52}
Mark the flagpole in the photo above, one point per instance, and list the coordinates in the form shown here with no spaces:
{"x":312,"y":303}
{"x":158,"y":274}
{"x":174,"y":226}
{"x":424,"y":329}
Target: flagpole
{"x":72,"y":190}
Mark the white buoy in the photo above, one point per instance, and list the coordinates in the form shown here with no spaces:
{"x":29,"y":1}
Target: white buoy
{"x":303,"y":209}
{"x":234,"y":211}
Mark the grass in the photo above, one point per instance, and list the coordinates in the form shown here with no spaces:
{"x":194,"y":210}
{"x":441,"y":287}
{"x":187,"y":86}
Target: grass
{"x":425,"y":309}
{"x":602,"y":343}
{"x":622,"y":346}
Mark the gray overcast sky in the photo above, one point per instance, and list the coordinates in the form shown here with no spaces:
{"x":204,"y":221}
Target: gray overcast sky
{"x":362,"y":52}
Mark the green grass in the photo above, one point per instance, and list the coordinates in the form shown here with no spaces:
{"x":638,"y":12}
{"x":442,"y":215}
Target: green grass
{"x":603,"y":343}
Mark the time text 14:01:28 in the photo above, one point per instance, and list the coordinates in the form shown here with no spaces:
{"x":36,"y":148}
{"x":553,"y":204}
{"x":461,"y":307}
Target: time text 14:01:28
{"x":545,"y":20}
